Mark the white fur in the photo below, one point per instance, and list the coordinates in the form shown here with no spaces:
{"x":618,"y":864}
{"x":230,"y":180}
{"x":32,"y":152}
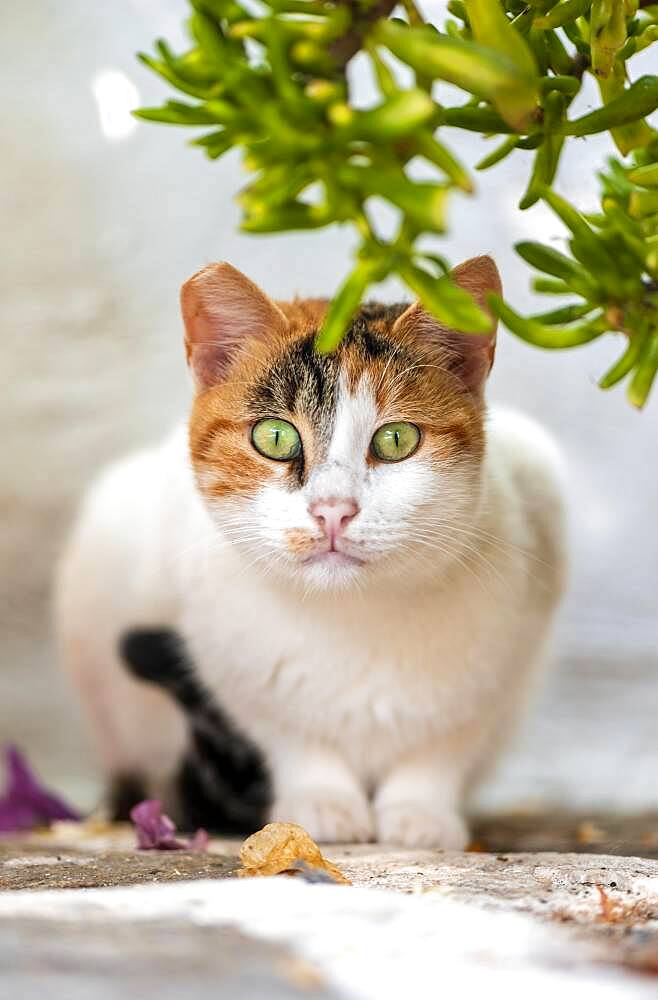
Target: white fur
{"x":378,"y":692}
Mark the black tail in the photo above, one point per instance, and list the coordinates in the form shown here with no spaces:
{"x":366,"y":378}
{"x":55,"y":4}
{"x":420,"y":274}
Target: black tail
{"x":223,"y":782}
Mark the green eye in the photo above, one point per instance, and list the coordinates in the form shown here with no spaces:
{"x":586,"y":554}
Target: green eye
{"x":393,"y":442}
{"x":276,"y":439}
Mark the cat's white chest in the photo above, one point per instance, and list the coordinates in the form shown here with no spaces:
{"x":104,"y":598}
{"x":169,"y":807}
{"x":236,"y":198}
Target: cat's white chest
{"x":377,"y":679}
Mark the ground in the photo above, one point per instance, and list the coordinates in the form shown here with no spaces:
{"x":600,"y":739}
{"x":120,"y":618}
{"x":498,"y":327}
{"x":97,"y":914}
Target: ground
{"x":531,"y":907}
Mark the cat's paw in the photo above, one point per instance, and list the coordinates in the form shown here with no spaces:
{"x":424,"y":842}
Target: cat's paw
{"x":328,"y":815}
{"x":413,"y":824}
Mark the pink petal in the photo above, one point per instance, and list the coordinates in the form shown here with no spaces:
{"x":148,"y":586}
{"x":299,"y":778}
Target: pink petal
{"x":156,"y":831}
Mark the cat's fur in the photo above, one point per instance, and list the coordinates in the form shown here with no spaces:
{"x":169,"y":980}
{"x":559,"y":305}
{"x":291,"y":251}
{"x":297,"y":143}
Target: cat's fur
{"x":378,"y":683}
{"x":222,"y":782}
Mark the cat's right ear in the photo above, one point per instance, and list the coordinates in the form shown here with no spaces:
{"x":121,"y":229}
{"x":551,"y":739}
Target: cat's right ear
{"x":222,"y":308}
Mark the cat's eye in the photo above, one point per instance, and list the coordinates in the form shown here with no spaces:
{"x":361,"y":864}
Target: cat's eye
{"x":276,"y":439}
{"x":393,"y":442}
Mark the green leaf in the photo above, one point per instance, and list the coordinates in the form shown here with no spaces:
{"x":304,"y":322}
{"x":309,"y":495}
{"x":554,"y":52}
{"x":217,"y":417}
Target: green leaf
{"x":476,"y":68}
{"x":546,"y":336}
{"x":491,"y":27}
{"x":635,"y":102}
{"x":173,"y":78}
{"x":266,"y":218}
{"x":343,"y":306}
{"x":395,"y":118}
{"x":438,"y":154}
{"x":624,"y":365}
{"x":422,"y":203}
{"x":645,"y":374}
{"x":627,"y":136}
{"x":591,"y":250}
{"x":553,"y":262}
{"x":550,"y":286}
{"x":565,"y":314}
{"x":442,"y":297}
{"x":506,"y":147}
{"x":476,"y":119}
{"x":646,"y":176}
{"x":564,"y":13}
{"x":215,"y":144}
{"x":177,"y":113}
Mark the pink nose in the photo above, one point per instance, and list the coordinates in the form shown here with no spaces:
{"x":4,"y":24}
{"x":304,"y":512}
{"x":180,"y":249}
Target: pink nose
{"x":333,"y":515}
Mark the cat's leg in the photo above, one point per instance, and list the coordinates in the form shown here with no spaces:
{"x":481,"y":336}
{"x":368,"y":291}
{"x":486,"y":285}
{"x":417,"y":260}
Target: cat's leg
{"x":419,"y":804}
{"x":315,"y":787}
{"x":420,"y":801}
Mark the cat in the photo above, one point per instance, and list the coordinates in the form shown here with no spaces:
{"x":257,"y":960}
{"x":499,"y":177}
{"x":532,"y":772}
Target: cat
{"x":361,"y":561}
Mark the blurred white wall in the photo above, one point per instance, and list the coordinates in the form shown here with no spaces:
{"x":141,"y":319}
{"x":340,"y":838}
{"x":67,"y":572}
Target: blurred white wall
{"x":98,"y":232}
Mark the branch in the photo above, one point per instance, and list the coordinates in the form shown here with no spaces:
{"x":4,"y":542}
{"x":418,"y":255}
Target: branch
{"x":363,"y":16}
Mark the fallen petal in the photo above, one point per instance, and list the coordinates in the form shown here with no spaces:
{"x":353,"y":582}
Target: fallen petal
{"x":26,"y":803}
{"x":157,"y":832}
{"x":200,"y":840}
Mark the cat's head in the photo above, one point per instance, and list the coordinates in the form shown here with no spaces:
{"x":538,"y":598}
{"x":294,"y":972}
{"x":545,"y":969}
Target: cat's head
{"x":336,"y":469}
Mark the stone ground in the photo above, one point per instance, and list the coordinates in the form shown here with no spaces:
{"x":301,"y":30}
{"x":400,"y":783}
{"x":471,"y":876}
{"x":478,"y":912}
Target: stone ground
{"x":541,"y":904}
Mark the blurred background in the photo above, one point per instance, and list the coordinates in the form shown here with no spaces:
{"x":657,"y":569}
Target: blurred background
{"x":103,"y":218}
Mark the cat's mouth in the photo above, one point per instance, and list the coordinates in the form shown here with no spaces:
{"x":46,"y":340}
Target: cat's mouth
{"x":332,"y":557}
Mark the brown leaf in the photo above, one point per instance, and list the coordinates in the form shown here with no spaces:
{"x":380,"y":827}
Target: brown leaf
{"x":279,"y":848}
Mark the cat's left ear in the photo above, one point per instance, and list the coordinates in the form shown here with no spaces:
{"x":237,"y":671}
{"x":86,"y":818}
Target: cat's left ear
{"x":222,"y":309}
{"x":470,"y":356}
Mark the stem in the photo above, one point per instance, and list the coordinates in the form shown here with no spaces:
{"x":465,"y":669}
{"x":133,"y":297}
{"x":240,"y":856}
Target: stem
{"x":344,"y":48}
{"x":412,"y":12}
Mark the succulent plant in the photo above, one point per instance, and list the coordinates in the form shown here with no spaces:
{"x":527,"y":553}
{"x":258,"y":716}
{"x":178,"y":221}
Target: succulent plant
{"x":270,"y":78}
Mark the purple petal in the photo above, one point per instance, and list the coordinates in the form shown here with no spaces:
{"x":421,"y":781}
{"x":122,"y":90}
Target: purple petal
{"x":15,"y":817}
{"x":200,"y":841}
{"x":26,"y":803}
{"x":156,"y":832}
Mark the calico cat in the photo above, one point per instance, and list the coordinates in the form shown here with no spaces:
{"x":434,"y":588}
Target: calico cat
{"x":361,"y":562}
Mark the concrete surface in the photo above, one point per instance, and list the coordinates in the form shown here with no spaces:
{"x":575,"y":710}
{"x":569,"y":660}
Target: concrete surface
{"x":413,"y":923}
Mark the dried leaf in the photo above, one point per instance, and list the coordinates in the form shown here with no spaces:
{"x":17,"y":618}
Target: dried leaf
{"x":284,"y":848}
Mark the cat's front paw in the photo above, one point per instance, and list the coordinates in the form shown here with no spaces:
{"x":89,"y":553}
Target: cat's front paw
{"x":329,"y":815}
{"x":413,"y":824}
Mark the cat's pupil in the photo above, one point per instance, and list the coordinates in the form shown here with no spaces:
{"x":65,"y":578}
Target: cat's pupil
{"x":276,"y":438}
{"x":397,"y":439}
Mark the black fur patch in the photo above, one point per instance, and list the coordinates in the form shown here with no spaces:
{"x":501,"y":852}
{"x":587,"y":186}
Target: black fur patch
{"x":301,"y":381}
{"x":378,"y":311}
{"x":126,"y":790}
{"x":222,"y":783}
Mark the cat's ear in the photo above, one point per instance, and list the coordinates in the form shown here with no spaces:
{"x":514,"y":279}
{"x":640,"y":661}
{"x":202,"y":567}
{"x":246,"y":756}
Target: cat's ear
{"x":469,"y":355}
{"x":222,"y":308}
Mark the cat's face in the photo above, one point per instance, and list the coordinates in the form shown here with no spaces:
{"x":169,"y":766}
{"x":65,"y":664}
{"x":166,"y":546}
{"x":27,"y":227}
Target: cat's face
{"x":339,"y":469}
